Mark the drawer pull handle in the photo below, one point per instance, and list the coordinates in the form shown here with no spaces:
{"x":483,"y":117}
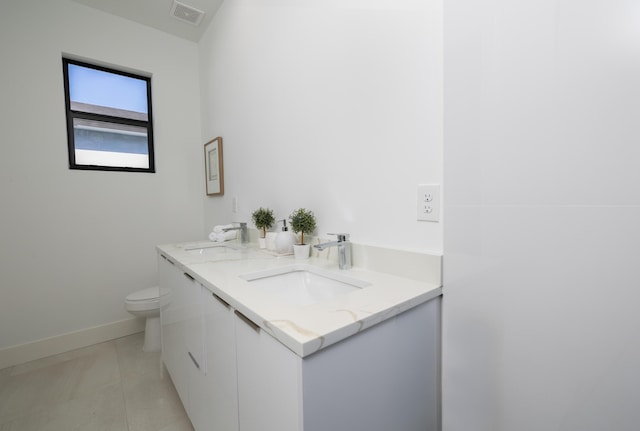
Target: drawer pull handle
{"x":248,"y":321}
{"x":189,"y":276}
{"x":194,"y":360}
{"x":222,"y":301}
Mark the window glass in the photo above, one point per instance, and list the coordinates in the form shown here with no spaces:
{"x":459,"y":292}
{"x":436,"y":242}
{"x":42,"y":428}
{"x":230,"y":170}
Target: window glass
{"x":108,"y":118}
{"x":97,"y":88}
{"x":110,"y":144}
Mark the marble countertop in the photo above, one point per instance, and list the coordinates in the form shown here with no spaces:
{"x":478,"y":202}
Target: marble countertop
{"x":304,"y":329}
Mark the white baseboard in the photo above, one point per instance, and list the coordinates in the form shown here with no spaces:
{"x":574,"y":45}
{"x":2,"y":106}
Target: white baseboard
{"x":19,"y":354}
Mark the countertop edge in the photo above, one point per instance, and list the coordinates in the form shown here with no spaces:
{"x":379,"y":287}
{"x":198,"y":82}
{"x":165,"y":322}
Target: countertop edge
{"x":282,"y":330}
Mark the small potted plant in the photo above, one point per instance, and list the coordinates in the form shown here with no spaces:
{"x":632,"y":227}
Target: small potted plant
{"x":302,"y":221}
{"x":263,"y":219}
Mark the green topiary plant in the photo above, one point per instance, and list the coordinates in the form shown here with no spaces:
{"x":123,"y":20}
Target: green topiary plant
{"x":263,"y":219}
{"x":302,"y":221}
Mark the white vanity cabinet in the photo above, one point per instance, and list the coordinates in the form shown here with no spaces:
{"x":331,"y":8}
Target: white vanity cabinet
{"x":220,"y":389}
{"x":384,"y":378}
{"x":194,"y":346}
{"x":173,"y":320}
{"x":183,"y":337}
{"x":233,"y":374}
{"x":269,"y":377}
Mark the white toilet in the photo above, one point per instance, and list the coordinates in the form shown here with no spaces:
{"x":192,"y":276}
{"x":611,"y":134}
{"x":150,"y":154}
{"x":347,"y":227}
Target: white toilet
{"x":146,"y":303}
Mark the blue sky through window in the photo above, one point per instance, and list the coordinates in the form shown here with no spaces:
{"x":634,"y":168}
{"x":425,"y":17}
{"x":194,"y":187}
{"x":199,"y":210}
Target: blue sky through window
{"x":96,"y":87}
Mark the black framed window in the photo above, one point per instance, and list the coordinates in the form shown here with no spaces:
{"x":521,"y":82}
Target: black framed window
{"x":109,"y":121}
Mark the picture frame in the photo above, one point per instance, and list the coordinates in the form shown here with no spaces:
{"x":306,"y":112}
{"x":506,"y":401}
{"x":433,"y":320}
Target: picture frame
{"x":213,"y":167}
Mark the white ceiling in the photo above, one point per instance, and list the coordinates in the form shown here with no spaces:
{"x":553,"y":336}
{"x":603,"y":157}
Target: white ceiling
{"x":157,"y":14}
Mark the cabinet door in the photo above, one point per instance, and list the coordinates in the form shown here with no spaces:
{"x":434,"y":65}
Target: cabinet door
{"x":220,"y":385}
{"x":193,"y":350}
{"x":384,"y":378}
{"x":269,"y":381}
{"x":172,"y":318}
{"x":193,"y":340}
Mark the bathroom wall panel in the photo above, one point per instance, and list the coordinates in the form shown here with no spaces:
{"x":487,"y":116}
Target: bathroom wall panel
{"x":332,"y":106}
{"x":74,"y":244}
{"x":541,"y":233}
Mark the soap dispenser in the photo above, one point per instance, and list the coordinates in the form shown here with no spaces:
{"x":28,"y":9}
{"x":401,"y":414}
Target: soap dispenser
{"x":285,"y":239}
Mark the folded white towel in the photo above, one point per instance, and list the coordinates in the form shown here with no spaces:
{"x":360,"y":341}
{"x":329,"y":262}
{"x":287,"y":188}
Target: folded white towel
{"x":222,"y":236}
{"x":221,"y":228}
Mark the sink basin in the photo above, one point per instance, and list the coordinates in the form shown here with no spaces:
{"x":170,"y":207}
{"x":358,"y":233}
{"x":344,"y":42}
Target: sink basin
{"x":303,"y":284}
{"x":209,"y":250}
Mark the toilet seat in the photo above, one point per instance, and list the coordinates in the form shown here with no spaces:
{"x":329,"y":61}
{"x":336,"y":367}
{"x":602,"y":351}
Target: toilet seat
{"x":143,"y":300}
{"x":144,"y":294}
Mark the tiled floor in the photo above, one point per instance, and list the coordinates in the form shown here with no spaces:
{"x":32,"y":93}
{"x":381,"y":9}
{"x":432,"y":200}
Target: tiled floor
{"x":112,"y":386}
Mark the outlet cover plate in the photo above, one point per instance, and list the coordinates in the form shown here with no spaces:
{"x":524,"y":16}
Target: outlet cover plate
{"x":428,"y":202}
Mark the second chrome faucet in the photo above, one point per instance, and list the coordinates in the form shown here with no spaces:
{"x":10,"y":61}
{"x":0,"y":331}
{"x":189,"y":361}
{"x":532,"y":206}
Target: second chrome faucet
{"x":344,"y":249}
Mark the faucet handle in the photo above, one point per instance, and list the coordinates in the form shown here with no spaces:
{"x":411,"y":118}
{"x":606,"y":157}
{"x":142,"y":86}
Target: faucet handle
{"x":341,"y":236}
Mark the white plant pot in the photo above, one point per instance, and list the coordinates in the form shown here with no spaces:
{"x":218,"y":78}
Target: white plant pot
{"x":262,"y":242}
{"x":271,"y":240}
{"x":301,"y":251}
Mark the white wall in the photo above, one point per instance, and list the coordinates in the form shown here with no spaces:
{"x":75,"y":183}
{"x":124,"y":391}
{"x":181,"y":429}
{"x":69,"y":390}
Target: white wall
{"x":73,"y":244}
{"x":541,"y":234}
{"x":335,"y":106}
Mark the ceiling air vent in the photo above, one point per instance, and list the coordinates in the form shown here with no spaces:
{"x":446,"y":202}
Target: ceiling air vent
{"x":186,"y":13}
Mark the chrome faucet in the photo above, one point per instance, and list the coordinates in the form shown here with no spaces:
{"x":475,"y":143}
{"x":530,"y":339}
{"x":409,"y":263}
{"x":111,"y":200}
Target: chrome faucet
{"x":344,"y":249}
{"x":244,"y":234}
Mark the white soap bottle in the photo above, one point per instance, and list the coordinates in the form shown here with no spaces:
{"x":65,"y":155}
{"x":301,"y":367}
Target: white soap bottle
{"x":285,"y":239}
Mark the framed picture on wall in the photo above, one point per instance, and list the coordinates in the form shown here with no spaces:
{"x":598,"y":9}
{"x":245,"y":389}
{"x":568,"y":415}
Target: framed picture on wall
{"x":213,"y":169}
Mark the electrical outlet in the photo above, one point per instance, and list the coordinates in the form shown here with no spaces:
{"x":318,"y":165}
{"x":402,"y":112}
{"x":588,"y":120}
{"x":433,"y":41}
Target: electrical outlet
{"x":428,"y":202}
{"x":234,"y":205}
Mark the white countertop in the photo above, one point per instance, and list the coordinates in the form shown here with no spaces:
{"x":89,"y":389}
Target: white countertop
{"x":308,"y":328}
